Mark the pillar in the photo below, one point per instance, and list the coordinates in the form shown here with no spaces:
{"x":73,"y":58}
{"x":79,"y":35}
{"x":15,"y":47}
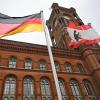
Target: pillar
{"x":37,"y":89}
{"x":20,"y":89}
{"x":1,"y":86}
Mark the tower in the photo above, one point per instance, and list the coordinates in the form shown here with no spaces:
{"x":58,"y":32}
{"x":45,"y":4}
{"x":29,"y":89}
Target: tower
{"x":58,"y":21}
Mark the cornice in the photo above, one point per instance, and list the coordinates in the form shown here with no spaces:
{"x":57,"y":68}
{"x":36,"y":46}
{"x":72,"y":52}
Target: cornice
{"x":23,"y":47}
{"x":42,"y":71}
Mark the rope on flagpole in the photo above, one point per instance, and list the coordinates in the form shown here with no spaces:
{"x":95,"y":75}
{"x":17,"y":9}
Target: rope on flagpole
{"x":51,"y":59}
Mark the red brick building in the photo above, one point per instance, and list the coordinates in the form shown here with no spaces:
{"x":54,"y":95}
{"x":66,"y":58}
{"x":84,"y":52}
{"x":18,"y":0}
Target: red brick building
{"x":25,"y":69}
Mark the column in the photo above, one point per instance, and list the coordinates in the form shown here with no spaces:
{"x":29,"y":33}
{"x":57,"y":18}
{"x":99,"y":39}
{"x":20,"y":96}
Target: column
{"x":63,"y":67}
{"x":53,"y":90}
{"x":1,"y":86}
{"x":69,"y":91}
{"x":37,"y":89}
{"x":75,"y":68}
{"x":84,"y":94}
{"x":20,"y":89}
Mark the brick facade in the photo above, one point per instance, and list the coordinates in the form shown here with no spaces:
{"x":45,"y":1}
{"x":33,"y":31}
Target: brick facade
{"x":37,"y":52}
{"x":89,"y":57}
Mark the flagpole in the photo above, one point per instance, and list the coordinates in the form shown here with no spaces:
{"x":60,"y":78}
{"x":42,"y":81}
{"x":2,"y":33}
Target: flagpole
{"x":51,"y":59}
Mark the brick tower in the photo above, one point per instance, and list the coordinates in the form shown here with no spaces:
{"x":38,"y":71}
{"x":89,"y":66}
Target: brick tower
{"x":58,"y":21}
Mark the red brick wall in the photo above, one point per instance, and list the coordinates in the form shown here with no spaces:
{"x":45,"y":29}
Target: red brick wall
{"x":36,"y":74}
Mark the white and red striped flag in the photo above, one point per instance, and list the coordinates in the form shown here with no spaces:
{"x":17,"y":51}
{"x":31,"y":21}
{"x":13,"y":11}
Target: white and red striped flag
{"x":83,"y":34}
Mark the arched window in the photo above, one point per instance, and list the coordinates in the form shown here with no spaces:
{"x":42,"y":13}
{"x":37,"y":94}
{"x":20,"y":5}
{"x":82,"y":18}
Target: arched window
{"x":28,"y":89}
{"x":57,"y":66}
{"x":68,"y":67}
{"x":75,"y":90}
{"x":62,"y":89}
{"x":9,"y":88}
{"x":80,"y":68}
{"x":12,"y":62}
{"x":57,"y":11}
{"x":28,"y":63}
{"x":89,"y":90}
{"x":53,"y":40}
{"x":45,"y":89}
{"x":43,"y":65}
{"x":60,"y":20}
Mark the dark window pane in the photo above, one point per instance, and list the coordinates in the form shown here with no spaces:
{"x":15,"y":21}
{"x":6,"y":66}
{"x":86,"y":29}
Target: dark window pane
{"x":68,"y":67}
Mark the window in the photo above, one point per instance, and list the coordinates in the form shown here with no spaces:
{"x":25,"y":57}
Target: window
{"x":75,"y":90}
{"x":53,"y":40}
{"x":57,"y":66}
{"x":28,"y":63}
{"x":67,"y":17}
{"x":80,"y":68}
{"x":63,"y":90}
{"x":43,"y":65}
{"x":89,"y":90}
{"x":68,"y":67}
{"x":56,"y":22}
{"x":9,"y":88}
{"x":57,"y":11}
{"x":45,"y":89}
{"x":28,"y":89}
{"x":60,"y":20}
{"x":12,"y":62}
{"x":10,"y":98}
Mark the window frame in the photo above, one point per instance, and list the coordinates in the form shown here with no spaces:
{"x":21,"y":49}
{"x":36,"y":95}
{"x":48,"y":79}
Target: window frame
{"x":57,"y":66}
{"x":28,"y":63}
{"x":63,"y":89}
{"x":68,"y":67}
{"x":76,"y":90}
{"x":92,"y":96}
{"x":12,"y":62}
{"x":80,"y":68}
{"x":28,"y":88}
{"x":45,"y":89}
{"x":42,"y":65}
{"x":9,"y":88}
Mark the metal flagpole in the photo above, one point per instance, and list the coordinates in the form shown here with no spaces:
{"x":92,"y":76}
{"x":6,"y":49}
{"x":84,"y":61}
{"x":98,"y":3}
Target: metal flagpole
{"x":51,"y":59}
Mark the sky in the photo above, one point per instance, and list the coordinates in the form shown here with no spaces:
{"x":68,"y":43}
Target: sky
{"x":88,"y":10}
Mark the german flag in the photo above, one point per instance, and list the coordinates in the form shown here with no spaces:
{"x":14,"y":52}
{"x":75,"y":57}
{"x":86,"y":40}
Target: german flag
{"x":13,"y":25}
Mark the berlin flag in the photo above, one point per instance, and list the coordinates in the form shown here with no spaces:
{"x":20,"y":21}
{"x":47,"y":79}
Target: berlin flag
{"x":13,"y":25}
{"x":83,"y":34}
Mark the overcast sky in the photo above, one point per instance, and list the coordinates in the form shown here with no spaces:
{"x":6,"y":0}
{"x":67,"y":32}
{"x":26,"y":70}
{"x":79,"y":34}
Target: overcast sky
{"x":88,"y":10}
